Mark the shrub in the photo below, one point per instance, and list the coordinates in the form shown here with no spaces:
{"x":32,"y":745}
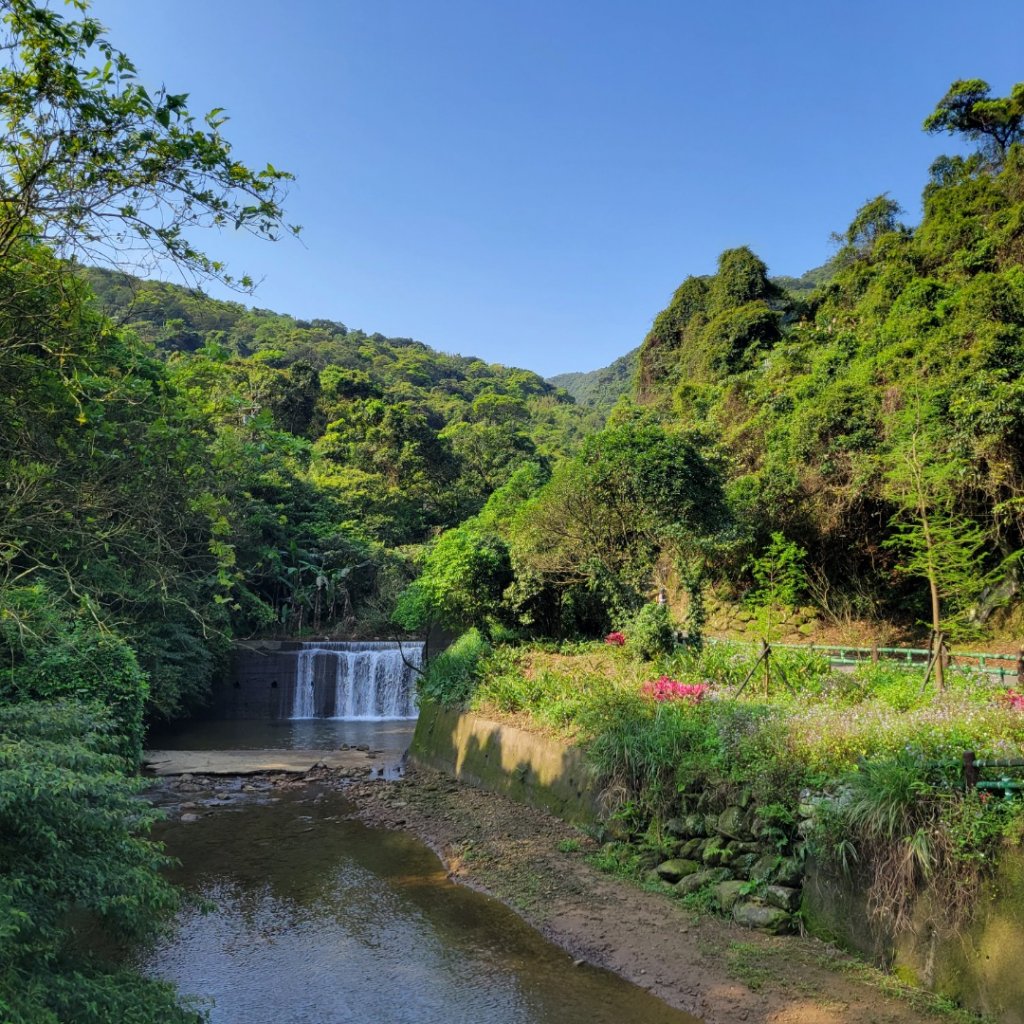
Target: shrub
{"x":451,"y":677}
{"x":650,"y":633}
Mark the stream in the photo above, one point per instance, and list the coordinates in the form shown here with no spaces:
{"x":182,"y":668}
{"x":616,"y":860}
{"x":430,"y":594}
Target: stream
{"x":314,"y":918}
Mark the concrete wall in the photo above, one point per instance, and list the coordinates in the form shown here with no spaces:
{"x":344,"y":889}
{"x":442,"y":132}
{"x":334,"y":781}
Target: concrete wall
{"x":499,"y":758}
{"x":981,"y":969}
{"x":260,"y":682}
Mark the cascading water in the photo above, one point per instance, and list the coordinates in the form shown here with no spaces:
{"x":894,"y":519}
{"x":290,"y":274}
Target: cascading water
{"x":369,"y":680}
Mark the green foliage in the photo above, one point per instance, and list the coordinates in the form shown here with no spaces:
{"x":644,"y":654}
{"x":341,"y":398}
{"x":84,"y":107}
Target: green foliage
{"x":452,"y":677}
{"x":779,"y":578}
{"x":650,"y":632}
{"x":74,"y":855}
{"x":96,"y":166}
{"x":968,"y":108}
{"x":73,"y":662}
{"x":463,"y":578}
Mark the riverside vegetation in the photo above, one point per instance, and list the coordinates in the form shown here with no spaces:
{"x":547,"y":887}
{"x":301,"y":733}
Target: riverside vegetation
{"x":180,"y":471}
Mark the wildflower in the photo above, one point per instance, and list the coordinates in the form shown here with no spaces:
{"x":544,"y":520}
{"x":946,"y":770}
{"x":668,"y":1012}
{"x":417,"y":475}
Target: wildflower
{"x":664,"y":688}
{"x":616,"y":639}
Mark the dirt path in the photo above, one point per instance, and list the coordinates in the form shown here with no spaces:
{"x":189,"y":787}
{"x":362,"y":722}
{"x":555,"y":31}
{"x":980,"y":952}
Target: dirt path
{"x":708,"y":967}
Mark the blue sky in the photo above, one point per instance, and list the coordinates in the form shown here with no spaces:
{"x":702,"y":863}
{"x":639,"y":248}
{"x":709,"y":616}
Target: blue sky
{"x":529,"y":181}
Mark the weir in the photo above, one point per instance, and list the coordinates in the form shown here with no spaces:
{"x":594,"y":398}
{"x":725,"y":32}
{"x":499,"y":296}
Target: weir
{"x":356,"y":681}
{"x":318,"y":680}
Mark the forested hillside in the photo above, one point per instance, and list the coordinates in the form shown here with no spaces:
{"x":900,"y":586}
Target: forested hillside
{"x":878,"y":422}
{"x":602,"y":388}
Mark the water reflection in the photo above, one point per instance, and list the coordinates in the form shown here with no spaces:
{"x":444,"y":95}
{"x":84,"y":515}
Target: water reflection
{"x":319,"y":919}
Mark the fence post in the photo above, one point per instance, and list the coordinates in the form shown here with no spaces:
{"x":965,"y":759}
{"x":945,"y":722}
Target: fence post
{"x":1020,"y":666}
{"x":970,"y":770}
{"x":874,"y":653}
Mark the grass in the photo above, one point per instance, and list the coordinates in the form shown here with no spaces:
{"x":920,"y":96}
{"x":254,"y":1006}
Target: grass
{"x":745,"y":962}
{"x":570,"y":846}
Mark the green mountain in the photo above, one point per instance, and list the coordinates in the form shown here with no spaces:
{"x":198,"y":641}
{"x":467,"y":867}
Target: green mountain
{"x":600,"y":389}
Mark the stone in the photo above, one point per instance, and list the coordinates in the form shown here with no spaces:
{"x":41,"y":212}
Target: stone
{"x":762,"y":917}
{"x":691,"y":883}
{"x":790,"y":872}
{"x":783,"y":897}
{"x":743,"y":863}
{"x":732,"y":822}
{"x":765,"y":867}
{"x":693,"y":849}
{"x":694,"y":825}
{"x":673,"y":870}
{"x":677,"y":827}
{"x":727,"y":893}
{"x":712,"y":855}
{"x":189,"y":818}
{"x":742,"y":848}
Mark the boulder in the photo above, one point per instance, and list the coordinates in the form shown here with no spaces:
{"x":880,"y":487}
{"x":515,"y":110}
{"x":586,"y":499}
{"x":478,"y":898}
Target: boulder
{"x":742,"y":864}
{"x":733,"y":823}
{"x":712,"y":853}
{"x":790,"y":872}
{"x":765,"y":918}
{"x":673,"y":870}
{"x":727,"y":893}
{"x":783,"y":896}
{"x":691,"y":883}
{"x":189,"y":818}
{"x":693,"y":849}
{"x":765,"y":867}
{"x":677,"y":827}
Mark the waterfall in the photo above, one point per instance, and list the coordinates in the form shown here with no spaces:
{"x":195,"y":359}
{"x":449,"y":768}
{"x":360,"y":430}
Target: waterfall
{"x":367,"y":680}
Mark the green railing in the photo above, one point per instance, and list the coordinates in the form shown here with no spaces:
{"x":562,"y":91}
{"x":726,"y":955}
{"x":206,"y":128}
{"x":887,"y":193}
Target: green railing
{"x":1004,"y":784}
{"x":1004,"y":668}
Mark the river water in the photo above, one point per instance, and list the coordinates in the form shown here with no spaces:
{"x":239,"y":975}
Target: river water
{"x":314,"y":918}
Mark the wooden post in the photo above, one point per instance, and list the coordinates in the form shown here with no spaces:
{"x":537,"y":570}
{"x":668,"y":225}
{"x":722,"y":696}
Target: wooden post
{"x":874,"y":653}
{"x":766,"y":654}
{"x":970,"y":770}
{"x":1020,"y":667}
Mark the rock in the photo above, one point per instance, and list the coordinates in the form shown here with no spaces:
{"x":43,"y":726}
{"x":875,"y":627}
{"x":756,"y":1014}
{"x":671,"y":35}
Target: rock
{"x":743,"y":863}
{"x":732,"y":822}
{"x":765,"y":918}
{"x":790,"y":872}
{"x":693,"y":849}
{"x":710,"y":823}
{"x":677,"y":827}
{"x":691,"y":883}
{"x":189,"y":818}
{"x":807,"y":809}
{"x":694,"y":824}
{"x":188,"y":805}
{"x":673,"y":870}
{"x":712,"y":854}
{"x":727,"y":893}
{"x":806,"y":628}
{"x":783,"y":897}
{"x":765,"y":867}
{"x":743,"y":848}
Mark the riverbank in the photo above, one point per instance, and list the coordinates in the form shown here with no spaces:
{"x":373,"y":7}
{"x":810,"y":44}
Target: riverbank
{"x":539,"y":866}
{"x":708,"y":967}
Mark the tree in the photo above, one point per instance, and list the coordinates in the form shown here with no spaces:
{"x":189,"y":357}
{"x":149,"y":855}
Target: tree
{"x":96,"y":167}
{"x":73,"y":850}
{"x":968,"y":108}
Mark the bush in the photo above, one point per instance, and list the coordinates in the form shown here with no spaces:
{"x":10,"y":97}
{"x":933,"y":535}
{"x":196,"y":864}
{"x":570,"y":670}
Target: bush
{"x":650,"y":633}
{"x":452,"y":677}
{"x":74,"y":849}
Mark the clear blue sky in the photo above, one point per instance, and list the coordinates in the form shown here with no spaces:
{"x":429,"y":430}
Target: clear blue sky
{"x":528,"y":181}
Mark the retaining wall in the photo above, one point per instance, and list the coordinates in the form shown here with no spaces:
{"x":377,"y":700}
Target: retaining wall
{"x":500,"y":758}
{"x":981,"y":969}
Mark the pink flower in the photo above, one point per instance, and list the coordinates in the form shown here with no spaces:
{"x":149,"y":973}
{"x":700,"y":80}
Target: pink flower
{"x":1014,"y":700}
{"x":616,"y":639}
{"x":671,"y":689}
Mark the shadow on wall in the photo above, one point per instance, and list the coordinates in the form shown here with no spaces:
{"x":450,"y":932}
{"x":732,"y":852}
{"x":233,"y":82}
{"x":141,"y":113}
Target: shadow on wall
{"x":531,"y":769}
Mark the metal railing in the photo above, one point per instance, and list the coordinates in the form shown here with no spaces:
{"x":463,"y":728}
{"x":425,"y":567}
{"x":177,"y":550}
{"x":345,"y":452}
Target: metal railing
{"x":1006,"y":668}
